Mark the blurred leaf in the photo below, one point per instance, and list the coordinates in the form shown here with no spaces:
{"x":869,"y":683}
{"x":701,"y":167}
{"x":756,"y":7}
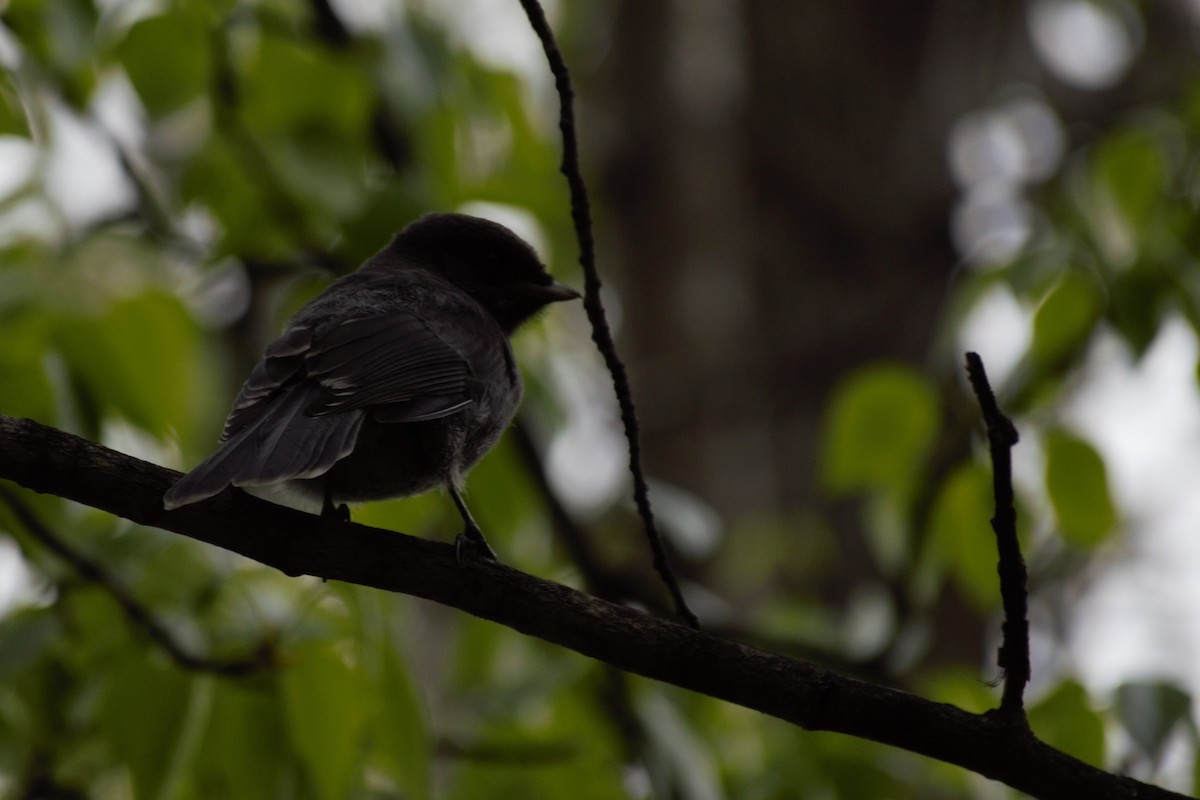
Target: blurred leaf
{"x":1064,"y":320}
{"x":310,"y":113}
{"x":216,"y":179}
{"x":167,"y":58}
{"x":60,"y":35}
{"x":1077,"y":483}
{"x":13,"y":118}
{"x":680,"y":750}
{"x":170,"y":571}
{"x":501,"y":493}
{"x":326,"y":708}
{"x":823,"y":765}
{"x":401,"y":745}
{"x":1136,"y":307}
{"x":137,"y":360}
{"x":1065,"y":719}
{"x":322,"y":171}
{"x":243,"y":757}
{"x":289,"y":88}
{"x":961,"y":534}
{"x":405,"y":746}
{"x":25,"y":389}
{"x":961,"y":687}
{"x":1151,"y":712}
{"x":1132,"y":168}
{"x":24,"y":638}
{"x":881,"y":424}
{"x":144,"y":711}
{"x":103,"y":631}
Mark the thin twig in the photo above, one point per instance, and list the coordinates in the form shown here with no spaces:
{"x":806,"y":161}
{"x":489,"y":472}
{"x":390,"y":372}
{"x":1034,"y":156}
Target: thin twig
{"x":1013,"y":656}
{"x":134,"y":611}
{"x":601,"y":334}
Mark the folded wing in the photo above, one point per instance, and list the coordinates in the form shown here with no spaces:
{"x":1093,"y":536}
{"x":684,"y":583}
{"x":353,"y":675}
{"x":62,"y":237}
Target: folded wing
{"x":302,"y":407}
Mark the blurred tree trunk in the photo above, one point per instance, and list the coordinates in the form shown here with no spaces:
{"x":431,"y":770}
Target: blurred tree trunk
{"x":777,"y":204}
{"x":777,"y":192}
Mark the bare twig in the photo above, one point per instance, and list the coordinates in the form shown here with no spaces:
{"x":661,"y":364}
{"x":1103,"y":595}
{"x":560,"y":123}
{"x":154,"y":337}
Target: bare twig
{"x":1013,"y":656}
{"x":134,"y":611}
{"x":601,"y":334}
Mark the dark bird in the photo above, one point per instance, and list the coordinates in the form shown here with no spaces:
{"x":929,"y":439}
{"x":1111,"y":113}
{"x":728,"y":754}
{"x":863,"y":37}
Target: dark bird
{"x":395,"y":380}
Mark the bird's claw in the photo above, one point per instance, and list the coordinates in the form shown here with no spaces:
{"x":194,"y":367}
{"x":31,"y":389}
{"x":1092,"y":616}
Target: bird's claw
{"x":340,"y":512}
{"x":470,"y":545}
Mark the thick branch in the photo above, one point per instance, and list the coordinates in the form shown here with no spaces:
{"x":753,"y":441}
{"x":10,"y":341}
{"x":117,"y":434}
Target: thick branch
{"x":48,"y":460}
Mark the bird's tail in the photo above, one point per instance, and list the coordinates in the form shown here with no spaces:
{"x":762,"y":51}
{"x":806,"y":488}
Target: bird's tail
{"x":282,"y":444}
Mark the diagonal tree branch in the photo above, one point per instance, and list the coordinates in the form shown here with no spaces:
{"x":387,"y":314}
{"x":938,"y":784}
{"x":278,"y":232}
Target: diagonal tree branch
{"x":51,"y":461}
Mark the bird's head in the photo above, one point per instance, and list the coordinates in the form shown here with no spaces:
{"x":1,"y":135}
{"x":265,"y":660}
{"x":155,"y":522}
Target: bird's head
{"x":486,"y":260}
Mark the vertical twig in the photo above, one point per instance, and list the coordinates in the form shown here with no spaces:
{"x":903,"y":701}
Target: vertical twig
{"x":1013,"y":656}
{"x":601,"y":335}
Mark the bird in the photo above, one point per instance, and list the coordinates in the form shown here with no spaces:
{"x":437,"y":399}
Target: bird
{"x":393,"y":381}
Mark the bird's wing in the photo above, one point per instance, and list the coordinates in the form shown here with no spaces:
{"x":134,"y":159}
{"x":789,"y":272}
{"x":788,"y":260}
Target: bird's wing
{"x":394,"y":364}
{"x":282,"y":365}
{"x":302,"y":406}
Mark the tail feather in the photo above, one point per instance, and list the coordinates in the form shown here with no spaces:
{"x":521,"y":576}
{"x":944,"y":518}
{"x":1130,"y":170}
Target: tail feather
{"x":282,"y":444}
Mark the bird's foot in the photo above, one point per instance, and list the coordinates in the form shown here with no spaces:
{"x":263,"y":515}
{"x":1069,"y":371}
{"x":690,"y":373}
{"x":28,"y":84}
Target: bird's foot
{"x":339,"y":512}
{"x":470,"y":545}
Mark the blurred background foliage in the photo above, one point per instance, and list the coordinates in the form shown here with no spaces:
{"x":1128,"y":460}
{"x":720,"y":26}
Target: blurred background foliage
{"x":806,"y":211}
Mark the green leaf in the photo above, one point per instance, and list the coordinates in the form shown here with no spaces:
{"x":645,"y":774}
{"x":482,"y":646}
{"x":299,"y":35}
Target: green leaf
{"x":25,"y":636}
{"x":404,"y":745}
{"x":1065,"y":319}
{"x":289,"y":88}
{"x":326,"y":708}
{"x":217,"y":179}
{"x":1132,"y":168}
{"x":962,"y":536}
{"x":137,"y":361}
{"x":310,"y":113}
{"x":959,"y":686}
{"x":1077,"y":483}
{"x":1151,"y":712}
{"x":1136,"y":306}
{"x":59,"y":37}
{"x":881,"y":425}
{"x":25,"y":389}
{"x":14,"y":120}
{"x":144,"y":711}
{"x":1065,"y":719}
{"x":241,"y":758}
{"x":167,"y":59}
{"x":499,"y":493}
{"x":681,"y":751}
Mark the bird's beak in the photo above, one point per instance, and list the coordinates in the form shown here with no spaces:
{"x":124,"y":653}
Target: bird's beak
{"x":554,"y":292}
